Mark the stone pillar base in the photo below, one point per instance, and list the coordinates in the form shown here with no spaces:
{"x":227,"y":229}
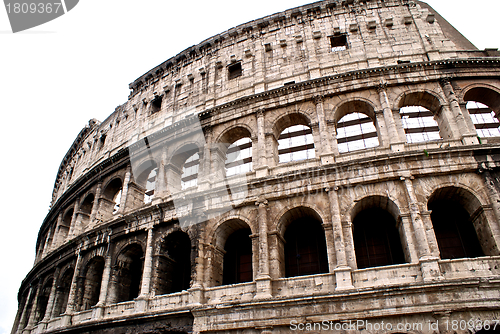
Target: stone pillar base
{"x":196,"y":295}
{"x":141,"y":304}
{"x":264,"y":288}
{"x":430,"y":269}
{"x":343,"y":278}
{"x":66,"y":320}
{"x":470,"y":139}
{"x":397,"y":147}
{"x":327,"y":159}
{"x":98,"y":311}
{"x":262,"y":171}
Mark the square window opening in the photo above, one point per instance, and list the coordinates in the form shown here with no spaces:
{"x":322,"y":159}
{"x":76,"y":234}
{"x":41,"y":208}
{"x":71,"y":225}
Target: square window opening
{"x":338,"y":43}
{"x":156,"y":104}
{"x":235,"y":71}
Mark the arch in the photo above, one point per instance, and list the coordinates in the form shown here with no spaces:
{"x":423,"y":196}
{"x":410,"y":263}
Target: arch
{"x":235,"y":145}
{"x":86,"y":207}
{"x":185,"y":163}
{"x":296,"y":143}
{"x":112,"y":195}
{"x":90,"y":285}
{"x":354,"y":105}
{"x":302,"y":247}
{"x":288,"y":120}
{"x":420,"y":97}
{"x":64,"y":227}
{"x":459,"y":225}
{"x":43,"y":299}
{"x":62,"y":291}
{"x":485,"y":94}
{"x":356,"y":125}
{"x":174,"y":263}
{"x":146,"y":179}
{"x":127,"y":273}
{"x":377,"y":241}
{"x":420,"y":116}
{"x":232,"y":253}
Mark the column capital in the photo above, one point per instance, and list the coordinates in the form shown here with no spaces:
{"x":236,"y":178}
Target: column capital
{"x":260,"y":113}
{"x":381,"y":87}
{"x":318,"y":99}
{"x":444,"y":81}
{"x":261,"y":202}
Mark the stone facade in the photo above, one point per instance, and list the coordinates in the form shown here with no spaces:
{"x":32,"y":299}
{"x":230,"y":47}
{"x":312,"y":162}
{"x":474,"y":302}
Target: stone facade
{"x":333,"y":217}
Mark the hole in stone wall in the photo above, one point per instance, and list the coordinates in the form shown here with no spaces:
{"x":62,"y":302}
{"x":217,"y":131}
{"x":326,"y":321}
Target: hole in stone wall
{"x":239,"y":157}
{"x":234,"y":71}
{"x":238,"y":258}
{"x":338,"y":43}
{"x":356,"y":131}
{"x":296,"y":143}
{"x":156,"y":104}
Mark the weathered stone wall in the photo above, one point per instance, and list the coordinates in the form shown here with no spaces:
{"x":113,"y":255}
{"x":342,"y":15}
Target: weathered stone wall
{"x":110,"y":261}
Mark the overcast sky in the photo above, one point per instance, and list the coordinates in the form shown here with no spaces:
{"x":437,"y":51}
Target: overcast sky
{"x":55,"y":77}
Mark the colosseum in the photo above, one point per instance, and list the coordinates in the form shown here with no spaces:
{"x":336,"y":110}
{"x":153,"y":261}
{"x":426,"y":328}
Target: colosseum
{"x":331,"y":168}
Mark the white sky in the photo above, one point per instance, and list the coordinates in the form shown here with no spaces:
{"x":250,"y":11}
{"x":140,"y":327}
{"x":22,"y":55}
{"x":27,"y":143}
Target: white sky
{"x":55,"y":77}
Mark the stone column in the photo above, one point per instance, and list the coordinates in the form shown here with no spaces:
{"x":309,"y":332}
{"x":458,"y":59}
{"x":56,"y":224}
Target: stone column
{"x":342,"y":270}
{"x":394,"y":141}
{"x":261,"y":167}
{"x":126,"y":181}
{"x":431,"y":236}
{"x":47,"y":247}
{"x":494,"y":198}
{"x":24,"y":318}
{"x":349,"y":244}
{"x":468,"y":136}
{"x":98,"y":309}
{"x":383,"y":136}
{"x":196,"y":292}
{"x":405,"y":225}
{"x":73,"y":227}
{"x":34,"y":308}
{"x":263,"y":279}
{"x":95,"y":206}
{"x":205,"y":170}
{"x":70,"y":308}
{"x":160,"y":183}
{"x":428,"y":264}
{"x":141,"y":302}
{"x":50,"y":302}
{"x":326,"y":153}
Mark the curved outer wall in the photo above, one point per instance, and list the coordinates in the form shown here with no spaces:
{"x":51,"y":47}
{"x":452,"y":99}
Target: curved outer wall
{"x":126,"y":248}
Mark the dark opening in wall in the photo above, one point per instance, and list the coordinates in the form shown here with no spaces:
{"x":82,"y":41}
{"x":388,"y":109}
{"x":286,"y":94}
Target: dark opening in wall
{"x":338,"y":42}
{"x":234,"y":71}
{"x":156,"y":104}
{"x":238,"y":258}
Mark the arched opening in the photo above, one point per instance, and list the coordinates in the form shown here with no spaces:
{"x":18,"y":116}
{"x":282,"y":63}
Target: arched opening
{"x":238,"y":258}
{"x":419,"y":124}
{"x":182,"y":172}
{"x":62,"y":293}
{"x":66,"y":225}
{"x":147,"y":179}
{"x":294,"y":138}
{"x":127,"y":274}
{"x":86,"y":209}
{"x":356,"y":126}
{"x":484,"y":119}
{"x":112,"y":196}
{"x":239,"y":157}
{"x":189,"y":176}
{"x":27,"y":309}
{"x":296,"y":143}
{"x":43,"y":299}
{"x":454,"y":225}
{"x":174,"y":264}
{"x":231,"y":253}
{"x":356,"y":131}
{"x":421,"y":118}
{"x":485,"y":96}
{"x":305,"y":244}
{"x":91,"y":285}
{"x":237,"y":144}
{"x":377,"y":241}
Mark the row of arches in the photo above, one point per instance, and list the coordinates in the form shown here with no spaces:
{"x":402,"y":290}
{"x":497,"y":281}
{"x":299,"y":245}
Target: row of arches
{"x":377,"y":235}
